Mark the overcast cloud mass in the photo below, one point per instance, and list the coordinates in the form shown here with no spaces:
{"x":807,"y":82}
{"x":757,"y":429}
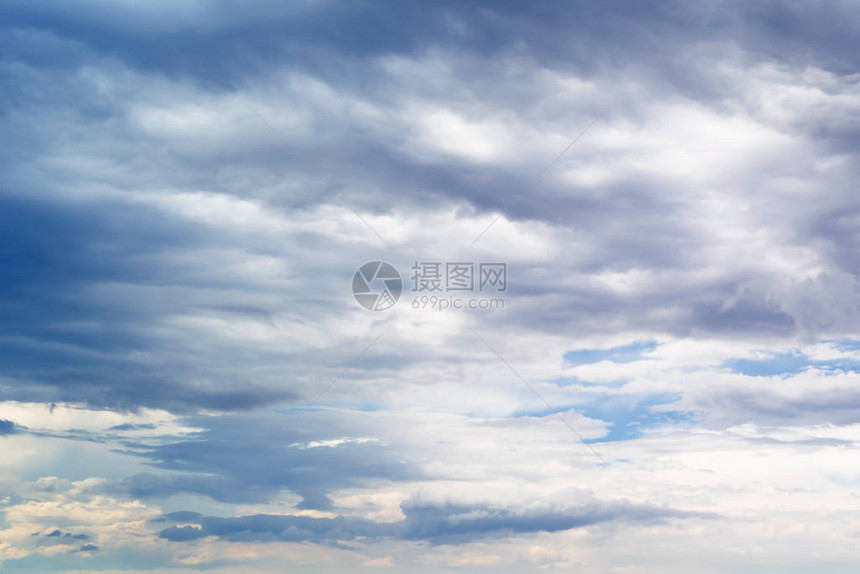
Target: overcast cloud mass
{"x":188,"y":384}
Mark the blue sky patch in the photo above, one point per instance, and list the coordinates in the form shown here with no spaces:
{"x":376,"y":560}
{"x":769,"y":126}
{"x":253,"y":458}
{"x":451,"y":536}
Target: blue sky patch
{"x":631,"y":415}
{"x":628,"y":415}
{"x":622,"y":354}
{"x":779,"y":364}
{"x":788,"y":364}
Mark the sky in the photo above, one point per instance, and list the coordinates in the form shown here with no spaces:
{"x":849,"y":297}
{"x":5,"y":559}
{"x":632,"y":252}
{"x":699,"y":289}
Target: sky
{"x":670,"y":380}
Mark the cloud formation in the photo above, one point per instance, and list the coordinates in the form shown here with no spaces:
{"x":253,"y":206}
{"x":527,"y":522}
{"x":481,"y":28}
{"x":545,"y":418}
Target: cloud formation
{"x":183,"y":366}
{"x":449,"y":524}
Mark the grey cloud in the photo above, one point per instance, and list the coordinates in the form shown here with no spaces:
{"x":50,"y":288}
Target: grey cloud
{"x":181,"y":533}
{"x":233,"y":460}
{"x":183,"y":516}
{"x":780,"y":406}
{"x":6,"y":427}
{"x":460,"y":523}
{"x":45,"y":275}
{"x":104,"y":283}
{"x":76,"y":536}
{"x":102,"y":307}
{"x":239,"y":40}
{"x":131,"y":427}
{"x":448,"y":524}
{"x":139,"y":266}
{"x":57,"y":538}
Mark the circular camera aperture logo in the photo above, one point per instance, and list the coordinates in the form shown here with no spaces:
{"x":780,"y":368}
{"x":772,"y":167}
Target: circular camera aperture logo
{"x":377,"y":286}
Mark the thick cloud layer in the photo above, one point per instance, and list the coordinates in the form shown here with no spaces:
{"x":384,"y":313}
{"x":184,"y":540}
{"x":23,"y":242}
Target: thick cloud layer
{"x":440,"y":525}
{"x":187,"y":188}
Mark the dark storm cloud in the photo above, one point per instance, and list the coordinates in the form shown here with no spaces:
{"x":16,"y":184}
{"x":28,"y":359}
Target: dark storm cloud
{"x":275,"y":528}
{"x":183,"y":516}
{"x":67,"y":541}
{"x":62,"y":342}
{"x":234,"y":460}
{"x":223,"y":42}
{"x":839,"y":227}
{"x":160,"y":248}
{"x":776,"y":407}
{"x":818,"y":33}
{"x":453,"y":524}
{"x":700,"y":310}
{"x":181,"y":533}
{"x":73,"y":347}
{"x":448,"y":524}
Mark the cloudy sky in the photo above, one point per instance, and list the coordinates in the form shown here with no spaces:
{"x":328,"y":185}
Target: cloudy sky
{"x":188,"y":384}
